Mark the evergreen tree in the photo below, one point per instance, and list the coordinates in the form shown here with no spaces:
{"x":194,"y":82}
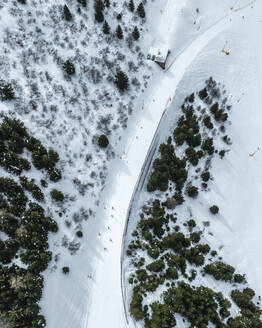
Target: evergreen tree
{"x":135,"y":33}
{"x":69,"y":67}
{"x":131,"y":5}
{"x":121,"y":81}
{"x":214,"y":209}
{"x":65,"y":270}
{"x":103,"y":141}
{"x":6,"y":92}
{"x":99,"y":7}
{"x":67,"y":14}
{"x":141,"y":10}
{"x":119,"y":32}
{"x":106,"y":28}
{"x":99,"y":16}
{"x":107,"y":3}
{"x":82,"y":2}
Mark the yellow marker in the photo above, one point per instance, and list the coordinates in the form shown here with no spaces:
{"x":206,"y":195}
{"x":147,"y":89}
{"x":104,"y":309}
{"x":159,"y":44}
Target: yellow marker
{"x":253,"y":154}
{"x":198,"y":28}
{"x":225,"y":52}
{"x":120,"y":157}
{"x":123,"y":152}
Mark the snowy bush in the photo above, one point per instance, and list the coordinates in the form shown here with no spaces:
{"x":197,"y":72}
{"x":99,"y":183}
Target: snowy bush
{"x":214,"y":209}
{"x":103,"y":141}
{"x":121,"y":81}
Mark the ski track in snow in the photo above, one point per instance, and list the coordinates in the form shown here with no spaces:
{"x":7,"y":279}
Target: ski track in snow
{"x":106,"y":305}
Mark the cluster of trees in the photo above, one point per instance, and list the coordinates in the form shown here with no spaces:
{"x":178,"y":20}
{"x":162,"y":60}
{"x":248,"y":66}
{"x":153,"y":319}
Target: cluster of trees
{"x":20,"y":292}
{"x":22,"y":288}
{"x":199,"y":305}
{"x":12,"y":197}
{"x":32,"y":188}
{"x":162,"y":254}
{"x":219,"y":114}
{"x":13,"y":139}
{"x":25,"y":225}
{"x":187,"y":129}
{"x":250,"y":313}
{"x":99,"y":7}
{"x":222,"y":271}
{"x":167,"y":167}
{"x":119,"y":31}
{"x":170,"y":254}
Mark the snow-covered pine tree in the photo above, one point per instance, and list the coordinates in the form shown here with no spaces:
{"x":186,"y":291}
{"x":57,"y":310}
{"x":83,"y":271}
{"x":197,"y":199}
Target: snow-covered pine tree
{"x":141,"y":10}
{"x":135,"y":33}
{"x":119,"y":32}
{"x":121,"y":81}
{"x":99,"y":7}
{"x":106,"y":28}
{"x":67,"y":14}
{"x":69,"y":67}
{"x":131,"y":5}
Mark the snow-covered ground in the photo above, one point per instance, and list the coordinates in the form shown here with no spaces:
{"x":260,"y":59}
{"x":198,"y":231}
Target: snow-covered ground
{"x":90,"y":296}
{"x":235,"y":232}
{"x":180,"y":79}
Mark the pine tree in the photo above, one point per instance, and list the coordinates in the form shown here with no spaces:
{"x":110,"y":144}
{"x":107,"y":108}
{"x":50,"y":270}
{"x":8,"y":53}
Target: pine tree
{"x":99,"y":7}
{"x":106,"y":28}
{"x":99,"y":16}
{"x":69,"y":67}
{"x":6,"y":92}
{"x":67,"y":13}
{"x":119,"y":32}
{"x":141,"y":10}
{"x":131,"y":5}
{"x":82,"y":2}
{"x":135,"y":33}
{"x":121,"y":81}
{"x":107,"y":3}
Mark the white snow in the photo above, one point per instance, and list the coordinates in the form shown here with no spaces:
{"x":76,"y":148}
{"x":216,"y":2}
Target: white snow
{"x":90,"y":296}
{"x":106,"y":305}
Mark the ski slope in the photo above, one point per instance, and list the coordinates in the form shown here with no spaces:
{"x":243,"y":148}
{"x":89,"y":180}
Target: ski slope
{"x":91,"y":295}
{"x":106,"y":303}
